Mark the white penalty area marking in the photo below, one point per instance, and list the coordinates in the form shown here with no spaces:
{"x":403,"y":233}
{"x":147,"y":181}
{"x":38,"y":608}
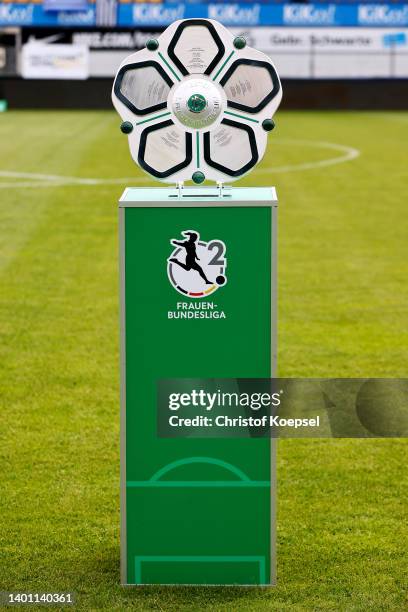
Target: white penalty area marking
{"x":55,"y":180}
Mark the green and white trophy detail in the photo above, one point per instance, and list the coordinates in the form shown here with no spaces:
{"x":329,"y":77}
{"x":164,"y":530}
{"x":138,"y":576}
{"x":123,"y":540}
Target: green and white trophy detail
{"x":198,"y":302}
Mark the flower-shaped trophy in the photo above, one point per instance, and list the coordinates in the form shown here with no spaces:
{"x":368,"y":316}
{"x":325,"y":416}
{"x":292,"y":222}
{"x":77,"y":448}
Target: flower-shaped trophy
{"x":197,"y":103}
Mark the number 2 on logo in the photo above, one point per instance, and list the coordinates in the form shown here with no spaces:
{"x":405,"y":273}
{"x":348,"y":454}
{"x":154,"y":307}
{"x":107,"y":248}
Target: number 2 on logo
{"x":218,"y":259}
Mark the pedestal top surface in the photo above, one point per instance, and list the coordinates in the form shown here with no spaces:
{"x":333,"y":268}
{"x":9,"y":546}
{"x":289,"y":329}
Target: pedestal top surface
{"x":172,"y":196}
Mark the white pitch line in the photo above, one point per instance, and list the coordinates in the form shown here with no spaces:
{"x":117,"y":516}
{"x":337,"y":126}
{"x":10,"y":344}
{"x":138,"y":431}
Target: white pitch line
{"x":34,"y":175}
{"x":62,"y":181}
{"x":56,"y":180}
{"x":349,"y":153}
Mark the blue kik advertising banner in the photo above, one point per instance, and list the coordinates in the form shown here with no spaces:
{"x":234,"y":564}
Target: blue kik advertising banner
{"x":232,"y":14}
{"x":36,"y":15}
{"x":65,"y":5}
{"x":267,"y":14}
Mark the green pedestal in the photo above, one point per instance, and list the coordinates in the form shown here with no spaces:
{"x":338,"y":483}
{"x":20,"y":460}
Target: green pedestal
{"x":195,"y":511}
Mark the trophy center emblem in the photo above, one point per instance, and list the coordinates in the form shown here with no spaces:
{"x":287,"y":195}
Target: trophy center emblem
{"x":196,"y":102}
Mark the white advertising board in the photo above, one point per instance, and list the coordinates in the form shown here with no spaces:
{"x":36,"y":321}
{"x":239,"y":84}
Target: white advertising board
{"x":334,"y":39}
{"x":297,"y":52}
{"x":333,"y":52}
{"x":50,"y":61}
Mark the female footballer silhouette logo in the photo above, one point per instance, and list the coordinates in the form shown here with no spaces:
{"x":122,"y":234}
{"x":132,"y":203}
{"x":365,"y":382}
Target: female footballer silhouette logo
{"x":196,"y":268}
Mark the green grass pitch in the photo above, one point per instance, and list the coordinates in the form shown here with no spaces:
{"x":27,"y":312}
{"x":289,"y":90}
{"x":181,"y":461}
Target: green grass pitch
{"x":343,"y":311}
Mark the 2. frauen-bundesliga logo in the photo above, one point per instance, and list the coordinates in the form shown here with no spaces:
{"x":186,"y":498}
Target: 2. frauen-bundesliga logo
{"x":197,"y":268}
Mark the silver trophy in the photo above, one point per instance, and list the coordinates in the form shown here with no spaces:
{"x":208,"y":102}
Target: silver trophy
{"x":197,"y":103}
